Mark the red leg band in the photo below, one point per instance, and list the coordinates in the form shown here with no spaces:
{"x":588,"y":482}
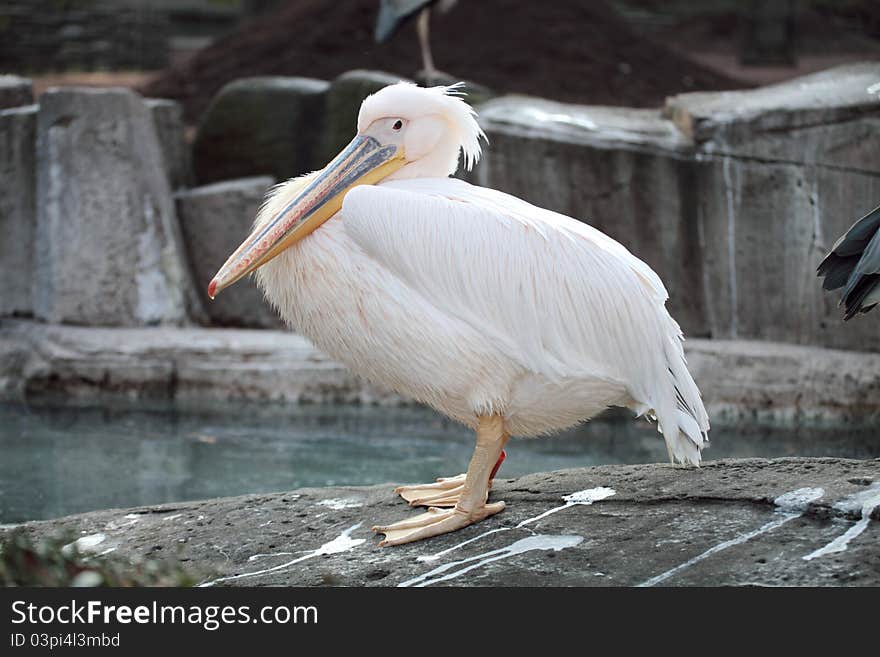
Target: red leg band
{"x":498,"y":465}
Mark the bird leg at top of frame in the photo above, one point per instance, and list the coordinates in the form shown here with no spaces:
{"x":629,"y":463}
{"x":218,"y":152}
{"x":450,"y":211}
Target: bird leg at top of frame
{"x":423,"y":27}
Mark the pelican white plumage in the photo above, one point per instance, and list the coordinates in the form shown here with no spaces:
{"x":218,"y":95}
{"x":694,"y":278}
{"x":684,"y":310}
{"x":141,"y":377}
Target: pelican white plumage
{"x":509,"y":318}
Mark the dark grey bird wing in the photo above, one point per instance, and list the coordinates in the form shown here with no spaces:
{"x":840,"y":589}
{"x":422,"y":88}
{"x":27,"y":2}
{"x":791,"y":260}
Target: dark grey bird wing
{"x":859,"y":234}
{"x":839,"y":264}
{"x":394,"y":12}
{"x":854,"y":264}
{"x":863,"y":280}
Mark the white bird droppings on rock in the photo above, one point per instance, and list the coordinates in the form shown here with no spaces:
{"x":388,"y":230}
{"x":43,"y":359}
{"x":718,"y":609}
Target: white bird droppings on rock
{"x":536,"y":542}
{"x":590,"y":495}
{"x":868,"y":500}
{"x":581,"y":497}
{"x":341,"y":543}
{"x":339,"y":504}
{"x":84,"y":544}
{"x":797,"y":501}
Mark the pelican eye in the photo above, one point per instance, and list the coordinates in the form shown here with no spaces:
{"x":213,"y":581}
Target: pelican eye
{"x":398,"y":124}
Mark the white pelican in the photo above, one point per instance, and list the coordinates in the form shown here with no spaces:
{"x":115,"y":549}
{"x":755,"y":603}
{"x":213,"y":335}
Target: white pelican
{"x":854,"y":262}
{"x":511,"y":319}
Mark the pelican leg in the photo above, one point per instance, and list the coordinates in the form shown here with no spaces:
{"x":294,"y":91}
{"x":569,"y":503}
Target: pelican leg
{"x":471,"y":506}
{"x":423,"y":29}
{"x":445,"y":492}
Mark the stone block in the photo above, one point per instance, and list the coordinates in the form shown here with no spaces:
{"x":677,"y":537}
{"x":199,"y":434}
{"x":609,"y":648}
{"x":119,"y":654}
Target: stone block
{"x":828,"y":118}
{"x":109,"y":251}
{"x":214,"y":220}
{"x":261,"y":126}
{"x":17,"y":208}
{"x":15,"y":91}
{"x":765,"y":227}
{"x":170,"y":129}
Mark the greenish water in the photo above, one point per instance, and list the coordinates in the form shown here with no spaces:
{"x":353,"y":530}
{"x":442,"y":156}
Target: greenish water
{"x":62,"y":460}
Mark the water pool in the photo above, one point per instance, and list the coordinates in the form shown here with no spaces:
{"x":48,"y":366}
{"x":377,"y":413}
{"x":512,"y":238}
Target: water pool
{"x":60,"y":460}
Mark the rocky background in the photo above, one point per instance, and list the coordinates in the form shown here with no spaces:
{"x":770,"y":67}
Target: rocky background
{"x":733,"y":197}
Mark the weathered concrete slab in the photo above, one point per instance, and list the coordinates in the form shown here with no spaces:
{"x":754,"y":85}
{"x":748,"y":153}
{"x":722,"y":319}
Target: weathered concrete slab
{"x":751,"y":379}
{"x":343,"y":100}
{"x":15,"y":91}
{"x":592,"y":125}
{"x":782,"y":171}
{"x":765,"y":227}
{"x":214,"y":220}
{"x":18,"y":210}
{"x":261,"y":126}
{"x":170,"y":128}
{"x":182,"y":364}
{"x":734,"y":523}
{"x":109,"y":247}
{"x":827,"y":118}
{"x":739,"y":379}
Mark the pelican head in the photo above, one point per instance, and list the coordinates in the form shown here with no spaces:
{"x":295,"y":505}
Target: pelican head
{"x":403,"y":131}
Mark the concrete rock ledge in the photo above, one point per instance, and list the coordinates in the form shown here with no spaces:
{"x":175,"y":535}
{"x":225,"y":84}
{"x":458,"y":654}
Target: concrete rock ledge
{"x":183,"y":365}
{"x":796,"y":521}
{"x":740,"y":379}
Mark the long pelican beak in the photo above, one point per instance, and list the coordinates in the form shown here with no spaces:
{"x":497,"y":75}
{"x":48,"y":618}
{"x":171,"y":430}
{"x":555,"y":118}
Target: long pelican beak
{"x":363,"y":162}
